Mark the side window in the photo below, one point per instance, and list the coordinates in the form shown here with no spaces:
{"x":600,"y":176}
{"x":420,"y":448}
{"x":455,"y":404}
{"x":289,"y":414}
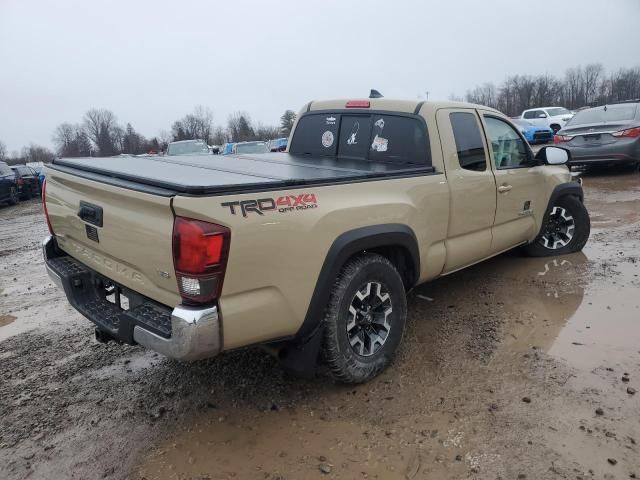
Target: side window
{"x":397,"y":139}
{"x":509,"y":149}
{"x":530,"y":114}
{"x":466,"y":131}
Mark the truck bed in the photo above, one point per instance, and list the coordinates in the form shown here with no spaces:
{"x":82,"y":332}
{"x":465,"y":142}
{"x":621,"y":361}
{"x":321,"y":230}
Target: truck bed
{"x":225,"y":174}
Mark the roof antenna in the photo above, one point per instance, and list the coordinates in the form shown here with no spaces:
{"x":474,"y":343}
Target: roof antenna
{"x":375,"y":94}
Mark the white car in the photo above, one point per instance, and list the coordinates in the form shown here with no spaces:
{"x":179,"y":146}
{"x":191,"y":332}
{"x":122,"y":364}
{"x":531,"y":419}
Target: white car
{"x":549,"y":117}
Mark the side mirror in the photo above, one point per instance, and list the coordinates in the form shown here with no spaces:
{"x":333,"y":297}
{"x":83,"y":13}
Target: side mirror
{"x":542,"y":115}
{"x":554,"y":155}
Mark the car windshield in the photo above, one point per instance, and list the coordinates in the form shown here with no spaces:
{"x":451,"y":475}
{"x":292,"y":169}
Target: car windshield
{"x":252,"y":147}
{"x":185,"y":148}
{"x":554,"y":112}
{"x":610,"y":113}
{"x":23,"y":171}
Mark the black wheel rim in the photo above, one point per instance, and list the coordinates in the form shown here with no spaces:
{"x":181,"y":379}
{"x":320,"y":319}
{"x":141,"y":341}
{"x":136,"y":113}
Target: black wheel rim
{"x":559,"y":230}
{"x":368,"y":322}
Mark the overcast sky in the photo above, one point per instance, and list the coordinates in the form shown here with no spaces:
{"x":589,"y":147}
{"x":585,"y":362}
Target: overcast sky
{"x":152,"y":61}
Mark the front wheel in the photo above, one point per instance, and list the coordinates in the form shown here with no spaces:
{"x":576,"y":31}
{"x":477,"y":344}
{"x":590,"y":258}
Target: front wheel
{"x":566,"y":229}
{"x":365,"y":319}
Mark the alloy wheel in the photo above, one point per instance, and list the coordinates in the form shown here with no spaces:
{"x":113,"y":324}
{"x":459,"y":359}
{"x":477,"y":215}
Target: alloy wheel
{"x":368,"y":324}
{"x":559,"y":229}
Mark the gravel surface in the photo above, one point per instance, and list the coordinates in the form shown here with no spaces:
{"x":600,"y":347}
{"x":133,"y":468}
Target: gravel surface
{"x":514,"y":368}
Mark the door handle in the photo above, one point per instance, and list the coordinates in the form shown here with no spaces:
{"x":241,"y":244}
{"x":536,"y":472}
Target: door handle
{"x":504,"y":188}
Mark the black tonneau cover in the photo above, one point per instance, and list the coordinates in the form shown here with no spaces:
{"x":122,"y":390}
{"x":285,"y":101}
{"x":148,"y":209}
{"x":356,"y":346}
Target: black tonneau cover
{"x":221,"y":174}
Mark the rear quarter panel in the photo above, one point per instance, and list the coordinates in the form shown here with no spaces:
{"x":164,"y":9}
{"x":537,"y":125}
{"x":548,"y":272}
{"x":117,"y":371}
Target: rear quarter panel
{"x":275,"y":258}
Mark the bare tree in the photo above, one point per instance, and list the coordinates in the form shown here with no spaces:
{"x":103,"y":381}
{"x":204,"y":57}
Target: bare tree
{"x":37,"y":153}
{"x":218,"y":137}
{"x":101,"y":127}
{"x":71,"y":141}
{"x":591,"y":77}
{"x":196,"y":125}
{"x":263,"y":132}
{"x":239,"y":127}
{"x":3,"y":151}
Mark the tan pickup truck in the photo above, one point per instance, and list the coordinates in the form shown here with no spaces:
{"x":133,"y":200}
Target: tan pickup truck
{"x":309,"y":252}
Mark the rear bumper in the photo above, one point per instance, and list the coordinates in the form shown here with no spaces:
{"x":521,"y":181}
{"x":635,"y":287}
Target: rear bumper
{"x":183,"y":333}
{"x":628,"y":152}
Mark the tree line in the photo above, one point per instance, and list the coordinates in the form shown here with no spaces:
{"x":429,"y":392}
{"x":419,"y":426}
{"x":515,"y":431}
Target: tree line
{"x":586,"y":86}
{"x":100,"y":134}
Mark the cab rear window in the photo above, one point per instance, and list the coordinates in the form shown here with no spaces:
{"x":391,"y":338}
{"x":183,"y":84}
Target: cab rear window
{"x":379,"y":137}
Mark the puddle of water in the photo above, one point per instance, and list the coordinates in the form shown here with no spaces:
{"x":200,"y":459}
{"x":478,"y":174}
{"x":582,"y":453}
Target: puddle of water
{"x":605,"y":329}
{"x":6,"y":320}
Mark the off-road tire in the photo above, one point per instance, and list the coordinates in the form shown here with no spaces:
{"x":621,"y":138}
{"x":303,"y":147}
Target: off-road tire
{"x":28,"y":195}
{"x":14,"y":198}
{"x":576,"y":209}
{"x":345,"y":364}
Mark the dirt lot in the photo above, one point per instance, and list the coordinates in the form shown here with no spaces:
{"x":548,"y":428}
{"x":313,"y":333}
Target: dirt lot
{"x":516,"y":368}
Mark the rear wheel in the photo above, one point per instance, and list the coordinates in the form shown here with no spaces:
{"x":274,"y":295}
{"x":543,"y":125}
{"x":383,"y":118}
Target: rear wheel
{"x":365,"y":319}
{"x":14,"y":198}
{"x":566,"y":230}
{"x":27,"y":192}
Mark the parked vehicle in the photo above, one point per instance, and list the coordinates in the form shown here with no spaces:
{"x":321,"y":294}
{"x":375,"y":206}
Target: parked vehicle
{"x":278,"y":144}
{"x":534,"y":133}
{"x":187,"y":147}
{"x":28,"y":181}
{"x":309,"y":252}
{"x":243,"y":148}
{"x":9,"y":191}
{"x":604,"y":135}
{"x":549,"y":117}
{"x":227,"y":148}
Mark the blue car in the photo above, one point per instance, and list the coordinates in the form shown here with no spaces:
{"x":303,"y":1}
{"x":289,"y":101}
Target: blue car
{"x":227,"y":148}
{"x":534,"y":133}
{"x":278,"y":144}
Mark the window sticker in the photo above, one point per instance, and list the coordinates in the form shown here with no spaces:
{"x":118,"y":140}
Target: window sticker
{"x":354,"y":131}
{"x":327,"y":139}
{"x":379,"y":144}
{"x":380,"y":123}
{"x":331,"y":120}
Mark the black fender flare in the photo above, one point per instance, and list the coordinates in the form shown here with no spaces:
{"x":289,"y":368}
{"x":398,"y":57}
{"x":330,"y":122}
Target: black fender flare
{"x":343,"y":248}
{"x":562,"y":190}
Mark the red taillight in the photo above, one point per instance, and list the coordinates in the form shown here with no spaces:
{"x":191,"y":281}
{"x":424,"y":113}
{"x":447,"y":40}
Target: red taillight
{"x":44,"y":205}
{"x":629,"y":133}
{"x":20,"y":181}
{"x":358,"y":104}
{"x":200,"y":251}
{"x":561,"y":138}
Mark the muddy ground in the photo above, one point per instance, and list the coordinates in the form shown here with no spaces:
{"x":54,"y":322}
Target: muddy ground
{"x":515,"y":368}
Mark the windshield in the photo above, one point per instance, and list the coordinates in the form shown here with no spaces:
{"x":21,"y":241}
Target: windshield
{"x":613,"y":113}
{"x":554,"y":112}
{"x":253,"y":147}
{"x":185,"y":148}
{"x":23,"y":171}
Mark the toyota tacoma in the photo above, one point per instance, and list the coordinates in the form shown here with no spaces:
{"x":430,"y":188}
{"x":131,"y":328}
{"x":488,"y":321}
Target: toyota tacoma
{"x":309,"y":253}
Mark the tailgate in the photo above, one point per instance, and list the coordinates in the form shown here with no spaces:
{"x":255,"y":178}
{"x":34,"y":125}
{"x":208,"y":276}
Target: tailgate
{"x":133,"y":245}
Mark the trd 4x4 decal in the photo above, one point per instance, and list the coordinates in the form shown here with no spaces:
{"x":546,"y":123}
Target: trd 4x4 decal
{"x":284,"y":204}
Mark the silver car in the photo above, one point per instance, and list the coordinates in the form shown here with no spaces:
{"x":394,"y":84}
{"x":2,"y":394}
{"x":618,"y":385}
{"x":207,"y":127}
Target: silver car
{"x":604,"y":135}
